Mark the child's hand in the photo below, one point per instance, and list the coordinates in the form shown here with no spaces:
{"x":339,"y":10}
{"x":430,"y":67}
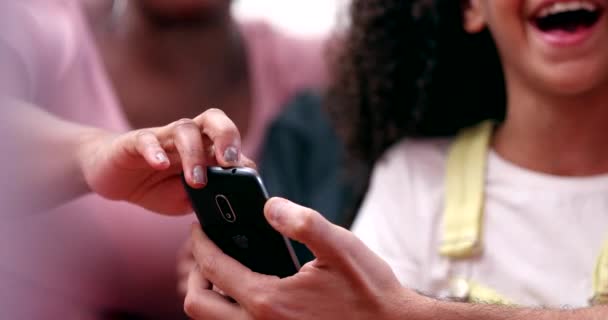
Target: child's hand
{"x":144,"y":166}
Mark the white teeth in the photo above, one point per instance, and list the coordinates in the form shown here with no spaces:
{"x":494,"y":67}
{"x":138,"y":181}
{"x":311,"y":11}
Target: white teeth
{"x":559,"y":7}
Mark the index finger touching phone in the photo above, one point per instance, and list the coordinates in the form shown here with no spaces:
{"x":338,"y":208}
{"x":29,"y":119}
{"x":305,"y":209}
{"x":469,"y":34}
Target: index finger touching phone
{"x":224,"y":135}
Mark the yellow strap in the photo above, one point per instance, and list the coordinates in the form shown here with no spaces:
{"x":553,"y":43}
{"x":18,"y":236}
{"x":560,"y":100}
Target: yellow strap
{"x":481,"y":294}
{"x":463,"y":212}
{"x":469,"y":291}
{"x":600,"y":278}
{"x":465,"y":179}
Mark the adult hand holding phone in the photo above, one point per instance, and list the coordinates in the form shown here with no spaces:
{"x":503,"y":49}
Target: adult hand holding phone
{"x":346,"y":281}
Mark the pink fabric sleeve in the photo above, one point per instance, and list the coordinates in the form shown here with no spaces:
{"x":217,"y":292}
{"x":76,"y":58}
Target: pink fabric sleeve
{"x":19,"y":58}
{"x":92,"y":254}
{"x":32,"y":50}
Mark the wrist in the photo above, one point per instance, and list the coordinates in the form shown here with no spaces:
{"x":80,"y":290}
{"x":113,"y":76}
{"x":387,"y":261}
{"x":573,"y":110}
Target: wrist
{"x":88,"y":148}
{"x":414,"y":306}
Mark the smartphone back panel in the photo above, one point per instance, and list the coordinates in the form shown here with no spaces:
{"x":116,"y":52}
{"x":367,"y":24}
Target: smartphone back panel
{"x":231,"y":212}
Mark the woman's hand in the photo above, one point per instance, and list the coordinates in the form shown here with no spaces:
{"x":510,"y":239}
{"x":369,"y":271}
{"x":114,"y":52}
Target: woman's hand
{"x":346,"y":281}
{"x":144,"y":166}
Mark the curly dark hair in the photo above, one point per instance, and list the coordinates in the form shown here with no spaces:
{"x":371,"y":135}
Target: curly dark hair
{"x":408,"y":68}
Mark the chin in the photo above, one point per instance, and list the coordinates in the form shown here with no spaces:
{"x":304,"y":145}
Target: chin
{"x":575,"y":79}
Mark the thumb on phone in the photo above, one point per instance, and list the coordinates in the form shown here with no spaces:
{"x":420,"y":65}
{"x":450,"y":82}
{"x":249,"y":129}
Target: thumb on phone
{"x":326,"y":240}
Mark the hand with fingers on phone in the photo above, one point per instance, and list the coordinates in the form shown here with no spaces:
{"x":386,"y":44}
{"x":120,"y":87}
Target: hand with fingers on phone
{"x":145,"y":166}
{"x":345,"y":281}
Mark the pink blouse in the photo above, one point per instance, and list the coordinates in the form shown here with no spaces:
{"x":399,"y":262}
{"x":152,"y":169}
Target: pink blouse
{"x":93,"y":254}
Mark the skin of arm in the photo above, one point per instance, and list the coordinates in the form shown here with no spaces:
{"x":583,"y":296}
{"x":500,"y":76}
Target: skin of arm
{"x":49,"y":161}
{"x":466,"y":311}
{"x":42,"y":154}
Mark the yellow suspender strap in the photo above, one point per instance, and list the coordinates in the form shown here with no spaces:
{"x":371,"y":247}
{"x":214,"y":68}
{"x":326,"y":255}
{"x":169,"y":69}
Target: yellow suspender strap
{"x":464,"y":192}
{"x":481,"y":294}
{"x":600,"y":278}
{"x":469,"y":291}
{"x":463,"y":213}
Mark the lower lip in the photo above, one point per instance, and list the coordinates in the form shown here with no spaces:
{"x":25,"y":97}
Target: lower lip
{"x":562,"y":38}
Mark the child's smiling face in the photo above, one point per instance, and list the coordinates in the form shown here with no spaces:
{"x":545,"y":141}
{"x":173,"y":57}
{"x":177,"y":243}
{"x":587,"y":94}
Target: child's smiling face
{"x":557,"y":47}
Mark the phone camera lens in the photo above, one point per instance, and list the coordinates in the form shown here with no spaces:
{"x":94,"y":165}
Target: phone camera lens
{"x":225,"y":208}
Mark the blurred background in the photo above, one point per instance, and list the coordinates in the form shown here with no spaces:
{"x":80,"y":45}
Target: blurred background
{"x":309,"y":18}
{"x":125,"y":70}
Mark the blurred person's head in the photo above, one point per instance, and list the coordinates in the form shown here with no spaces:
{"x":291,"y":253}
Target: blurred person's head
{"x":433,"y":67}
{"x":169,"y":12}
{"x":185,"y":7}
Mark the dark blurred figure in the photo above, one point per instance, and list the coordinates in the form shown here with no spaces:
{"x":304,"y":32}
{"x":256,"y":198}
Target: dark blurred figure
{"x":304,"y":160}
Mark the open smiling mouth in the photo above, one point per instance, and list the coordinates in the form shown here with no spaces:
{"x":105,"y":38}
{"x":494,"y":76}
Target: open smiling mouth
{"x":568,"y":17}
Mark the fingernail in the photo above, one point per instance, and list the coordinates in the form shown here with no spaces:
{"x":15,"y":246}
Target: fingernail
{"x":231,"y":154}
{"x":276,"y":209}
{"x":161,"y":157}
{"x":198,"y":175}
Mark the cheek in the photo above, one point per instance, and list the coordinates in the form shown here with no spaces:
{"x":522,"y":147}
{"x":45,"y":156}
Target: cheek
{"x":506,"y":22}
{"x":503,"y":7}
{"x":504,"y":17}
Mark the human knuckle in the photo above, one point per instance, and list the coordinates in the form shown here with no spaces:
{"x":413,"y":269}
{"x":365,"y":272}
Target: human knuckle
{"x":230,"y":130}
{"x":347,"y":238}
{"x":264,"y":306}
{"x":143,"y":137}
{"x":224,"y":131}
{"x":184,"y":123}
{"x":190,"y":304}
{"x":143,"y":133}
{"x":209,"y":264}
{"x":214,"y":111}
{"x":305,"y":222}
{"x":193,"y":152}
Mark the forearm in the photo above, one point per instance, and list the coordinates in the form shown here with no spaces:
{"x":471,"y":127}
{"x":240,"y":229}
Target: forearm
{"x":466,"y":311}
{"x":41,"y":166}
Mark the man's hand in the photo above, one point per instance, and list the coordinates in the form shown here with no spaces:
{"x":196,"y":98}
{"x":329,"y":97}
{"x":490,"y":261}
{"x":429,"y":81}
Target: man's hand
{"x":346,"y":281}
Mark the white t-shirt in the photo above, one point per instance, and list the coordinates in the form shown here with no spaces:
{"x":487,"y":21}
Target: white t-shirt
{"x":542,"y":234}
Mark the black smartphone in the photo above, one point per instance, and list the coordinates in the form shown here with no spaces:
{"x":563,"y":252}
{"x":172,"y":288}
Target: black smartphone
{"x":230,"y":209}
